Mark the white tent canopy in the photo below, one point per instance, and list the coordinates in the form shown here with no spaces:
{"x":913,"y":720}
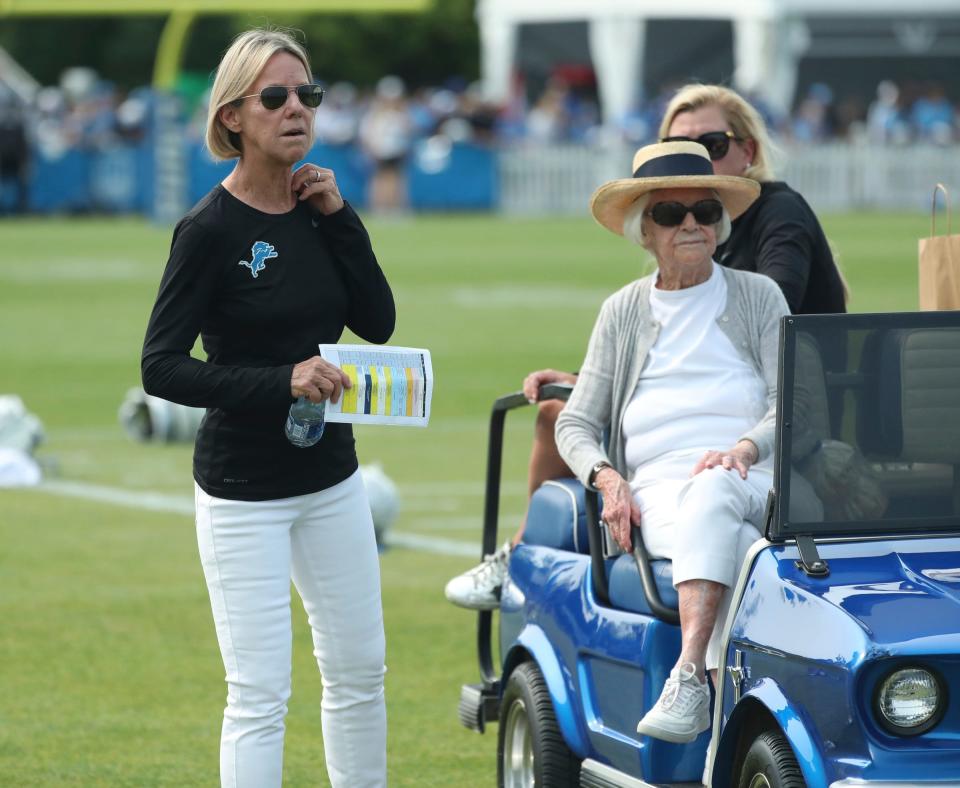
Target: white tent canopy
{"x":769,"y":38}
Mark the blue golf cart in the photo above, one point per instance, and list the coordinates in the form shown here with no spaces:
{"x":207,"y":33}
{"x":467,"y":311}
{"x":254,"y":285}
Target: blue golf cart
{"x":841,"y":659}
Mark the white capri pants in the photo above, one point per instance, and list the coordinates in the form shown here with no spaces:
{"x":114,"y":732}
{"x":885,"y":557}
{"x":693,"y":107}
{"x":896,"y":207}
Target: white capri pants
{"x":706,"y":525}
{"x":325,"y":542}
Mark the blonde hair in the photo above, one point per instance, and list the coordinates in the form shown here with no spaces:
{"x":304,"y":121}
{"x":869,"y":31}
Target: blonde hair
{"x":238,"y":70}
{"x":744,"y":120}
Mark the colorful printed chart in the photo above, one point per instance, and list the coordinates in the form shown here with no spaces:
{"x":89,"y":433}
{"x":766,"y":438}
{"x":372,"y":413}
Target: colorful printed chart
{"x":391,"y":385}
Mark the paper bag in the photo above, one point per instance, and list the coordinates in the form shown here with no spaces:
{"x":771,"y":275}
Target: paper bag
{"x":939,"y":261}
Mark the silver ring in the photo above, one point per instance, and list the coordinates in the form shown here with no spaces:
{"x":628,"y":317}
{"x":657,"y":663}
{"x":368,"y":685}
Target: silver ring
{"x":317,"y":173}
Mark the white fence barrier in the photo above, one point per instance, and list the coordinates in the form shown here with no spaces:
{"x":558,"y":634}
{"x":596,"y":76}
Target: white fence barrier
{"x":835,"y":177}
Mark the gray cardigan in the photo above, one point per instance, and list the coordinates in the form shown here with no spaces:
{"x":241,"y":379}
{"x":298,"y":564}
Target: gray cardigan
{"x":623,"y":335}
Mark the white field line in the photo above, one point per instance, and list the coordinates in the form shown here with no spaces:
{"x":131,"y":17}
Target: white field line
{"x":183,"y":505}
{"x":151,"y":501}
{"x":470,"y":523}
{"x":433,"y":544}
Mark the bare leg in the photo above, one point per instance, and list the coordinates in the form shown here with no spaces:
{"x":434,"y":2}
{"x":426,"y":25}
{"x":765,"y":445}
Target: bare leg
{"x":699,"y":600}
{"x":545,"y":460}
{"x":682,"y":711}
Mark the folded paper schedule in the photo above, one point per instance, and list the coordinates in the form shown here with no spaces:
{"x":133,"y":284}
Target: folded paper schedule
{"x":391,"y":385}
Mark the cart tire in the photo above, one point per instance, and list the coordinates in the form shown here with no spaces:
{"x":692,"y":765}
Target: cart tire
{"x":770,"y":763}
{"x":530,"y":748}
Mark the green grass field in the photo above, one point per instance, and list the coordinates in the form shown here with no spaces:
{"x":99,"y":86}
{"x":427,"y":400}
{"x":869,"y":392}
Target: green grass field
{"x":109,"y":670}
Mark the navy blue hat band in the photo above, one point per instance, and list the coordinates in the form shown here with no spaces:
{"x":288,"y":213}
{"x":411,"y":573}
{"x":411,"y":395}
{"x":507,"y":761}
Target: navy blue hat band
{"x":675,"y":164}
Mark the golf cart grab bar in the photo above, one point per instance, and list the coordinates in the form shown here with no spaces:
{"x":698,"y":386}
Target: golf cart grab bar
{"x":498,"y":416}
{"x":491,"y":503}
{"x":598,"y":567}
{"x":650,"y":590}
{"x":658,"y":608}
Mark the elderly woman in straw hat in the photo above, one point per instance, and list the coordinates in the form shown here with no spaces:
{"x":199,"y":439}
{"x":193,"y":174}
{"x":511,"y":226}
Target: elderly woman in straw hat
{"x":682,"y":365}
{"x":778,"y":235}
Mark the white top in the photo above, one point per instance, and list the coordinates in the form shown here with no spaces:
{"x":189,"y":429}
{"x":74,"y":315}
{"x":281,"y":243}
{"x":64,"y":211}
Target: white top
{"x":696,"y":392}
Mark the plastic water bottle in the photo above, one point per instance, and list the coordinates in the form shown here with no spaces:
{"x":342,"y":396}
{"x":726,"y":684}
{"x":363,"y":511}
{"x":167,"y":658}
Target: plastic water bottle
{"x":305,"y":422}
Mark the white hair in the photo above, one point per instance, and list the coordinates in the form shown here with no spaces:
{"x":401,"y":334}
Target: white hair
{"x":633,"y":222}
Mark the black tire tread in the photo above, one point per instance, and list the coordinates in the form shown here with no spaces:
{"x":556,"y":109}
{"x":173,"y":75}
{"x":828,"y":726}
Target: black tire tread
{"x":773,"y":748}
{"x":557,"y":765}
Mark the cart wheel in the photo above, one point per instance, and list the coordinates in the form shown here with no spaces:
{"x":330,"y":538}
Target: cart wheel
{"x":770,"y":763}
{"x":530,"y":748}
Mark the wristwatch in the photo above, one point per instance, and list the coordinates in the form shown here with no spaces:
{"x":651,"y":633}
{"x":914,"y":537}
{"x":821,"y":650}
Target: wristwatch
{"x":595,"y":470}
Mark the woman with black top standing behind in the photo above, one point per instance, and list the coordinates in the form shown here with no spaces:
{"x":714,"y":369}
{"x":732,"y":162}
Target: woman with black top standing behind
{"x":779,"y":235}
{"x":266,"y":266}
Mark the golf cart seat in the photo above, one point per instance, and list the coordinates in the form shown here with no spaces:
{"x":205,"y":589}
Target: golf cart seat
{"x":557,"y":518}
{"x":626,"y":586}
{"x":911,"y":415}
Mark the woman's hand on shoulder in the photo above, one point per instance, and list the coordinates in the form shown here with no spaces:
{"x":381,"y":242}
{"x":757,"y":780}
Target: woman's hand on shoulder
{"x":318,"y":380}
{"x":620,"y":511}
{"x":319,"y":186}
{"x":542,"y":377}
{"x":739,"y":458}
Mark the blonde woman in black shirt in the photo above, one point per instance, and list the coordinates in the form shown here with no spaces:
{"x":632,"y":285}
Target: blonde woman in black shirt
{"x":266,"y":266}
{"x":779,"y":235}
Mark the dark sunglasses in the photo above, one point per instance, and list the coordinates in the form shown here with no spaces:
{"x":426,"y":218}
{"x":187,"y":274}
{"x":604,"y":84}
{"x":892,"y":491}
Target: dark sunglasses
{"x":672,"y":214}
{"x":717,"y":143}
{"x":275,"y":96}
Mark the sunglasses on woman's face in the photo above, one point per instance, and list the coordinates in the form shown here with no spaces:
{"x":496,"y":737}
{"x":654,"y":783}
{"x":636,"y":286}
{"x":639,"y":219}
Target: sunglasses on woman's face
{"x":275,"y":96}
{"x":717,"y":143}
{"x":672,"y":214}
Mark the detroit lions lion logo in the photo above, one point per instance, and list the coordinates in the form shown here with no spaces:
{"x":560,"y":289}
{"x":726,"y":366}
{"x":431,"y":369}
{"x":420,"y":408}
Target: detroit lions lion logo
{"x":260,"y":252}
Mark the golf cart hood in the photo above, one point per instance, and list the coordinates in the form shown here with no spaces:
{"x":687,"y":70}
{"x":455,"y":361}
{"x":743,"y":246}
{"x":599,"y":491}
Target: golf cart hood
{"x":905,"y":594}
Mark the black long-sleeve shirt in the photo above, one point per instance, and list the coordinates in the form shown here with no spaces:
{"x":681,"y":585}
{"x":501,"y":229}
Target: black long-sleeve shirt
{"x":262,"y":291}
{"x":779,"y":236}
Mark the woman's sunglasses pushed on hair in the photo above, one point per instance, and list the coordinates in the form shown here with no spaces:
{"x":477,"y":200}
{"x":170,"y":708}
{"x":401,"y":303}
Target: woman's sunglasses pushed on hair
{"x":672,"y":214}
{"x":275,"y":96}
{"x":717,"y":143}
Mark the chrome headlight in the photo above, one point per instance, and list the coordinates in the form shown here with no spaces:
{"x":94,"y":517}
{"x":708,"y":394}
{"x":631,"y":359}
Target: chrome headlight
{"x":910,"y":701}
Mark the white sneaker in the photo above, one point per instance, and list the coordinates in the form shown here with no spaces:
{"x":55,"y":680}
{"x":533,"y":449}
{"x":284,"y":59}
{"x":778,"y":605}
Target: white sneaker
{"x":683,"y":711}
{"x":479,"y":588}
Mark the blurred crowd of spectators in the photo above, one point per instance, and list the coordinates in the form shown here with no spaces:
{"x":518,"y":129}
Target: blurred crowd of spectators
{"x":85,"y":112}
{"x":916,"y":113}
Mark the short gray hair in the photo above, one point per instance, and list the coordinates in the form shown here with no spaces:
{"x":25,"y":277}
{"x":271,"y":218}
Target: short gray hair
{"x":633,"y":222}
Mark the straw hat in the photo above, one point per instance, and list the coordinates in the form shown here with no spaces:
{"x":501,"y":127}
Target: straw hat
{"x":670,"y":165}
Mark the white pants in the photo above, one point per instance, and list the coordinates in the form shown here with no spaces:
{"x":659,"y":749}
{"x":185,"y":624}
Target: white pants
{"x":706,"y":525}
{"x":325,"y":542}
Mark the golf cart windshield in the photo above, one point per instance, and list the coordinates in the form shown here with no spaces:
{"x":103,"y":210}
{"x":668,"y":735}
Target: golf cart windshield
{"x":868,"y":425}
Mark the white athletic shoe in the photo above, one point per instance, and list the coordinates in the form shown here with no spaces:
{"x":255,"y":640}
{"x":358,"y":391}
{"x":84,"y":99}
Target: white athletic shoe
{"x":683,"y":711}
{"x":479,"y":588}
